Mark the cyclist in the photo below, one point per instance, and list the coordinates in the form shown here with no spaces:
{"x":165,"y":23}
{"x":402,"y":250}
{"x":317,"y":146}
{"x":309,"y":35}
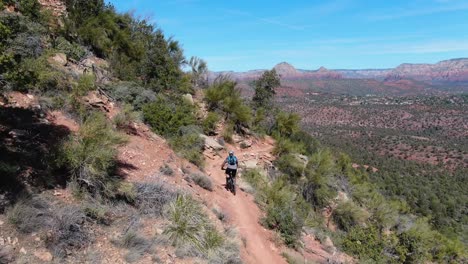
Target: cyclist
{"x":232,"y":164}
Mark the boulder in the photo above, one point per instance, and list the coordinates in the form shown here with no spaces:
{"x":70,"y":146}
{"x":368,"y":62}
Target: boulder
{"x":250,"y":164}
{"x":245,"y":144}
{"x":210,"y":143}
{"x":7,"y":253}
{"x":59,"y":59}
{"x":188,"y":98}
{"x":236,"y":138}
{"x":95,"y":61}
{"x":43,"y":255}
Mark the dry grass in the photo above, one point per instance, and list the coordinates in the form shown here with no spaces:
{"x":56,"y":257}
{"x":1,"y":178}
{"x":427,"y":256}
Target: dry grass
{"x":152,"y":197}
{"x":202,"y":181}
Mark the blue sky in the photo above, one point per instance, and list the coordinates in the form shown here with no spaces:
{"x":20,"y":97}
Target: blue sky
{"x":337,"y":34}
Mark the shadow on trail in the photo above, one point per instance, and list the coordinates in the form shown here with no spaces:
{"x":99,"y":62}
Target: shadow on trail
{"x":28,"y":147}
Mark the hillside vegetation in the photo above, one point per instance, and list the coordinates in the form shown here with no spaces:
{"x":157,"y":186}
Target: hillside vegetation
{"x":66,"y":60}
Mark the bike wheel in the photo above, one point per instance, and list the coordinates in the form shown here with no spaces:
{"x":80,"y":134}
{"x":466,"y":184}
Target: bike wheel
{"x":233,"y":187}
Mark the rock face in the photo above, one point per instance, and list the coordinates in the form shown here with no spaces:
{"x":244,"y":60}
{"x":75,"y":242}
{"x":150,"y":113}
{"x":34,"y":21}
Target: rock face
{"x":286,"y":69}
{"x":210,"y":143}
{"x":57,"y":7}
{"x":455,"y":70}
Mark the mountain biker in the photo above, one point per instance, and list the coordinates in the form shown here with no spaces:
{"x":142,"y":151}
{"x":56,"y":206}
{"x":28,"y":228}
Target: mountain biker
{"x":232,"y":164}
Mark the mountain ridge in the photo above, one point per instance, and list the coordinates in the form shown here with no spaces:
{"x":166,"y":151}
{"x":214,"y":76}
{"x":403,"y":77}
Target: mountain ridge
{"x":450,"y":70}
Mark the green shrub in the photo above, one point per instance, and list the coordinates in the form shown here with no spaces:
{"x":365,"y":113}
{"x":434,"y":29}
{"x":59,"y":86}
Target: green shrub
{"x":348,"y":215}
{"x":131,"y":93}
{"x":285,"y":146}
{"x":125,"y":118}
{"x":320,"y":171}
{"x":255,"y":178}
{"x":85,"y":84}
{"x":286,"y":124}
{"x":91,"y":153}
{"x":166,"y":116}
{"x":210,"y":122}
{"x":203,"y":181}
{"x":285,"y":211}
{"x":265,"y":88}
{"x":72,"y":50}
{"x":290,"y":165}
{"x":222,"y":95}
{"x":188,"y":143}
{"x":36,"y":74}
{"x":364,"y":243}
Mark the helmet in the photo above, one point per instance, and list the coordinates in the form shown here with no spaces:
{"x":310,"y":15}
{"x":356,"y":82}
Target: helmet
{"x":231,"y":153}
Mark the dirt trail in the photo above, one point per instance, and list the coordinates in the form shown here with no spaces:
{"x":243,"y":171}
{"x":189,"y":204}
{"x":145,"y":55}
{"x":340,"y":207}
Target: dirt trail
{"x":244,"y":213}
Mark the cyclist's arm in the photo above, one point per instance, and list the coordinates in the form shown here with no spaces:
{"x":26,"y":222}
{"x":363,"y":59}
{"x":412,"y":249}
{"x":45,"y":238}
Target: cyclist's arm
{"x":224,"y":163}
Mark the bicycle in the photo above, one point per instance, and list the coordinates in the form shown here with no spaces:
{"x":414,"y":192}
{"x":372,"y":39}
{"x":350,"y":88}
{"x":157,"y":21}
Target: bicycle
{"x":231,"y":183}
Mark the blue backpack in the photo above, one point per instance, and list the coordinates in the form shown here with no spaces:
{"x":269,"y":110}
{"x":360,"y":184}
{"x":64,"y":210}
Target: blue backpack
{"x":232,"y":160}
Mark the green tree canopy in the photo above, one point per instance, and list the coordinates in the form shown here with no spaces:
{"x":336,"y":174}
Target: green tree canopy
{"x":265,"y":87}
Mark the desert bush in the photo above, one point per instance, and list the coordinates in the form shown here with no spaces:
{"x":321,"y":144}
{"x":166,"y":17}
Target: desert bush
{"x":136,"y":244}
{"x":131,"y":93}
{"x":91,"y":153}
{"x":65,"y":223}
{"x":219,"y":214}
{"x":187,"y":222}
{"x":151,"y":198}
{"x":115,"y":188}
{"x":347,"y":215}
{"x":98,"y":212}
{"x":68,"y":231}
{"x":202,"y":181}
{"x":125,"y":118}
{"x":166,"y":170}
{"x":210,"y":122}
{"x":72,"y":50}
{"x":228,"y":252}
{"x":228,"y":132}
{"x":30,"y":214}
{"x":193,"y":236}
